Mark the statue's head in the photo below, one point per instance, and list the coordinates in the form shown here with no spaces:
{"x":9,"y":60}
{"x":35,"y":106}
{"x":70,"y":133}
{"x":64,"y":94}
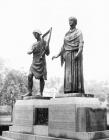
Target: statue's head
{"x":37,"y":33}
{"x":72,"y":21}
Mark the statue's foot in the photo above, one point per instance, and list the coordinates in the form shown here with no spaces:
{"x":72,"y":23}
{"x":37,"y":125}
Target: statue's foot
{"x":27,"y":94}
{"x":39,"y":95}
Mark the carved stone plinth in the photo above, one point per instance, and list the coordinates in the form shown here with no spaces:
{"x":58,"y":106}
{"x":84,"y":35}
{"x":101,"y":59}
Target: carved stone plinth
{"x":80,"y":118}
{"x":70,"y":115}
{"x":31,"y":114}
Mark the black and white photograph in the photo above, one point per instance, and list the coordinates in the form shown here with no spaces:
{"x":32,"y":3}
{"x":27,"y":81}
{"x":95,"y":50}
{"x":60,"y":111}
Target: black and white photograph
{"x":54,"y":75}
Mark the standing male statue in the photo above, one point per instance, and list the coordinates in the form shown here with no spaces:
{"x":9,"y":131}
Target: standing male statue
{"x":38,"y":67}
{"x":71,"y":54}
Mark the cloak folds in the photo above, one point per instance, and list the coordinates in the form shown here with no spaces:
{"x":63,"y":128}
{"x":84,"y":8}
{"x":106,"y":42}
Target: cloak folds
{"x":73,"y":75}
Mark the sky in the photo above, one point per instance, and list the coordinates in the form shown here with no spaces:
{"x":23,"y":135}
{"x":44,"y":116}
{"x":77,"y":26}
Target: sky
{"x":18,"y":19}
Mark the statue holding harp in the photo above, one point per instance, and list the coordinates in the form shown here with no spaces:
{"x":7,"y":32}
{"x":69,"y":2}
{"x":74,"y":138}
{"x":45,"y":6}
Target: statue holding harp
{"x":40,"y":49}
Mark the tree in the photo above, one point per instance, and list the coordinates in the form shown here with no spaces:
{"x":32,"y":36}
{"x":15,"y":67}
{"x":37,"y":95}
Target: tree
{"x":15,"y":84}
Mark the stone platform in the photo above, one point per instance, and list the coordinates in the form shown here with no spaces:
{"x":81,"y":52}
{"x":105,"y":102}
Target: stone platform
{"x":72,"y":115}
{"x":76,"y":118}
{"x":98,"y":135}
{"x":31,"y":115}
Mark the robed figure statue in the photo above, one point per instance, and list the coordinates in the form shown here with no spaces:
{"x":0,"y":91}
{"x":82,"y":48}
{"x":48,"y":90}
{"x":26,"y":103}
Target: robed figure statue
{"x":71,"y":54}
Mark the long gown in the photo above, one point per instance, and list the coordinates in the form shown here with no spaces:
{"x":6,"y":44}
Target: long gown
{"x":73,"y":75}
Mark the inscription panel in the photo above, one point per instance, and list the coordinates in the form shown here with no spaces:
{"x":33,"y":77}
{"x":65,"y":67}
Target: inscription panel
{"x":91,"y":119}
{"x":96,"y":119}
{"x":41,"y":116}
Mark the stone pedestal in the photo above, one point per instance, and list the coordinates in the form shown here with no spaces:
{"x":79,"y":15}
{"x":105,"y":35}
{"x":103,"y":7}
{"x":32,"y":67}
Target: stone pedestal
{"x":31,"y":115}
{"x":62,"y":118}
{"x":71,"y":115}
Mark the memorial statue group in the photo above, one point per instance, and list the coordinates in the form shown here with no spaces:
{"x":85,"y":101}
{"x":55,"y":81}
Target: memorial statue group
{"x":70,"y":53}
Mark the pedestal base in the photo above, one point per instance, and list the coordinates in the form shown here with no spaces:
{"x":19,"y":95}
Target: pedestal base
{"x":73,"y":116}
{"x":99,"y":135}
{"x":31,"y":116}
{"x":76,"y":118}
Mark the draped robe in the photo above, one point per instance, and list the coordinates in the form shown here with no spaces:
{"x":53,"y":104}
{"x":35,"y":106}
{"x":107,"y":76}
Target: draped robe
{"x":73,"y":75}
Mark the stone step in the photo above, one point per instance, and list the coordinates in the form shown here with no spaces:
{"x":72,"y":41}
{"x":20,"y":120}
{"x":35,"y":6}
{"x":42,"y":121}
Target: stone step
{"x":21,"y":136}
{"x":79,"y":135}
{"x":105,"y":139}
{"x":5,"y":138}
{"x":37,"y":129}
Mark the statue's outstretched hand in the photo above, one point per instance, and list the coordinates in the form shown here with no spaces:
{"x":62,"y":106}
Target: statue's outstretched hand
{"x":53,"y":57}
{"x":29,"y":52}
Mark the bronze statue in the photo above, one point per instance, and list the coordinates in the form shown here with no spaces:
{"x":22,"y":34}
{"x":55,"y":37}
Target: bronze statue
{"x":71,"y":54}
{"x":38,"y":67}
